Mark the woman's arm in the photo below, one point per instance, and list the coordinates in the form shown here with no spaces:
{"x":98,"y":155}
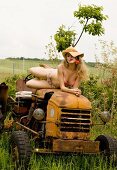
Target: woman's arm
{"x":75,"y":90}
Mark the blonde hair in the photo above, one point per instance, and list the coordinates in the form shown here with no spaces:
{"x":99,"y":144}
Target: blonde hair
{"x":81,"y":68}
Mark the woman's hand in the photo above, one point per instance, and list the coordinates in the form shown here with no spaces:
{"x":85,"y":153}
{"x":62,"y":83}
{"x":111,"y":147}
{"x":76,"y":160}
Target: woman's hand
{"x":76,"y":91}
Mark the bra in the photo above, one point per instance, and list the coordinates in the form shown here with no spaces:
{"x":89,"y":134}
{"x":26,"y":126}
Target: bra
{"x":68,"y":85}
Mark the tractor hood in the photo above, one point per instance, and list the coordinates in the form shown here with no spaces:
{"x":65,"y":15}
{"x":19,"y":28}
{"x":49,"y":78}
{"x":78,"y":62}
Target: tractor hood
{"x":68,"y":100}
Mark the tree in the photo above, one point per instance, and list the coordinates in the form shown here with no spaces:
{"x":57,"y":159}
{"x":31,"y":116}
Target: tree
{"x":90,"y":17}
{"x":64,"y":38}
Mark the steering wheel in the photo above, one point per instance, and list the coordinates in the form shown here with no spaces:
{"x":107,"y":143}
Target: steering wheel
{"x":28,"y":77}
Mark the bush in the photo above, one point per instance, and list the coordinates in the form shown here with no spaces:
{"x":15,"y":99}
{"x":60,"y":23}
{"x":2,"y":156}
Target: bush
{"x":11,"y":82}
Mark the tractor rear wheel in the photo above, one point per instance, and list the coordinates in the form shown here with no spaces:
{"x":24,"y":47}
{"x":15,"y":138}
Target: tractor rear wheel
{"x":108,"y":147}
{"x":20,"y":149}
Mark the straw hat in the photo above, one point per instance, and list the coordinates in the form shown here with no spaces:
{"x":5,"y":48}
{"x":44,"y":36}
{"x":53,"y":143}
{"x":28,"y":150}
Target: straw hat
{"x":72,"y":51}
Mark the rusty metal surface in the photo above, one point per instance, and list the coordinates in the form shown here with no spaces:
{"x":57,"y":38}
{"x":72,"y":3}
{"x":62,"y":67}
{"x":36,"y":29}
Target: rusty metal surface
{"x":72,"y":124}
{"x":20,"y":110}
{"x":77,"y":146}
{"x":42,"y":92}
{"x":25,"y":127}
{"x":52,"y":117}
{"x":3,"y":99}
{"x":21,"y":86}
{"x":3,"y":91}
{"x":42,"y":150}
{"x":74,"y":135}
{"x":75,"y":123}
{"x":67,"y":100}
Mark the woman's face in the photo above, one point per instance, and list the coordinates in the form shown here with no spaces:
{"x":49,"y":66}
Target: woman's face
{"x":70,"y":58}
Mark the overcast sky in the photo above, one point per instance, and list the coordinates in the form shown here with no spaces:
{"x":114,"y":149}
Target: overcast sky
{"x":26,"y":26}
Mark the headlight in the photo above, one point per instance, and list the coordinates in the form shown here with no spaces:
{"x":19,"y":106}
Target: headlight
{"x":38,"y":114}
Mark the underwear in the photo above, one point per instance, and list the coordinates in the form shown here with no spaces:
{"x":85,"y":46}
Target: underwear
{"x":49,"y":80}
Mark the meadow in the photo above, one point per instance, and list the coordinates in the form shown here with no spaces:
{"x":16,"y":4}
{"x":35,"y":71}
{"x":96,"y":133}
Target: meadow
{"x":10,"y":67}
{"x":101,"y":91}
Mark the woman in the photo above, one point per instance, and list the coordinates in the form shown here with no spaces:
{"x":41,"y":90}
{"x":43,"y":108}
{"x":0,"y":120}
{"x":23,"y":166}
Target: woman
{"x":67,"y":76}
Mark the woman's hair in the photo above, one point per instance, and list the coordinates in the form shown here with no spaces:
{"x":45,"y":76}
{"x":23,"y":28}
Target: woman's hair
{"x":81,"y":69}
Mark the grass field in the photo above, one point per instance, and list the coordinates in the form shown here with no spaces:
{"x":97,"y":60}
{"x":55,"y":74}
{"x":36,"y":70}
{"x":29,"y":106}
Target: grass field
{"x":11,"y":67}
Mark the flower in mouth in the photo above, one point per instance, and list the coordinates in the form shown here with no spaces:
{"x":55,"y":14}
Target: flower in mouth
{"x":77,"y":61}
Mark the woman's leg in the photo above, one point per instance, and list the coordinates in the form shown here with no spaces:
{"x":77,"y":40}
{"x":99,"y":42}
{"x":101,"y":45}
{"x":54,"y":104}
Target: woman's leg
{"x":42,"y":73}
{"x":45,"y":78}
{"x":38,"y":84}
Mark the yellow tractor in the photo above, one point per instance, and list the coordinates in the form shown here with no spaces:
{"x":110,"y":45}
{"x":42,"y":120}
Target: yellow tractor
{"x":56,"y":122}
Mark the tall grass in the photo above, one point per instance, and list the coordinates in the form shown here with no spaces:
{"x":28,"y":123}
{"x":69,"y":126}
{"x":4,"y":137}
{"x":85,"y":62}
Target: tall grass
{"x":54,"y":162}
{"x":5,"y":158}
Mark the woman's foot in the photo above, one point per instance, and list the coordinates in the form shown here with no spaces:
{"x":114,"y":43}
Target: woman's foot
{"x":44,"y":65}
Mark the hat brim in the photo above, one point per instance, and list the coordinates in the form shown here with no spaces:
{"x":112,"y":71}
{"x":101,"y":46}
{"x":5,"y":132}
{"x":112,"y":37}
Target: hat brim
{"x":74,"y":54}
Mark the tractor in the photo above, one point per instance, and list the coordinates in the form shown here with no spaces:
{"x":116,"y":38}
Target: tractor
{"x":55,"y":122}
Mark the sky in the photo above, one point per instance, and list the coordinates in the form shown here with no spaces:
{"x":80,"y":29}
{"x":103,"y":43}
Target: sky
{"x":26,"y":26}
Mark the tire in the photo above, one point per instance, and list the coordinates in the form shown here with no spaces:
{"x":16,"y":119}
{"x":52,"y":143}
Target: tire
{"x":20,"y":149}
{"x":108,"y":148}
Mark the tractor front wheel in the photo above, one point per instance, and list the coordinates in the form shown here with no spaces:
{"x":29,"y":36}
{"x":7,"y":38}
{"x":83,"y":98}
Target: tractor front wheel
{"x":20,"y":149}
